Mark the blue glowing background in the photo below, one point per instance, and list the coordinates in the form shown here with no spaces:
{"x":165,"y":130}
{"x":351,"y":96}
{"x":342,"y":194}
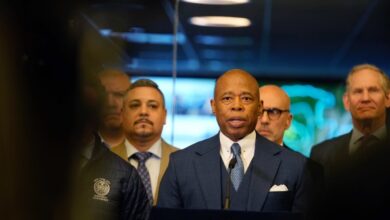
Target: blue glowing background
{"x":318,"y":112}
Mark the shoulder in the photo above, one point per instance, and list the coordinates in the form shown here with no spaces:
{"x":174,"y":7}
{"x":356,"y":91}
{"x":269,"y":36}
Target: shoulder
{"x":198,"y":148}
{"x":331,"y":144}
{"x":168,"y":147}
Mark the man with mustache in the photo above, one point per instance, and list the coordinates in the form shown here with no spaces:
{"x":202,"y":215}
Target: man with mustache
{"x":116,"y":82}
{"x":275,"y":117}
{"x":366,"y":98}
{"x":144,"y":116}
{"x":263,"y":176}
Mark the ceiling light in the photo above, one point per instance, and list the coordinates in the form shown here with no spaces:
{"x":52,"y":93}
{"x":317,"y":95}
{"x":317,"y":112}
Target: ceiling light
{"x":217,"y":2}
{"x":220,"y":21}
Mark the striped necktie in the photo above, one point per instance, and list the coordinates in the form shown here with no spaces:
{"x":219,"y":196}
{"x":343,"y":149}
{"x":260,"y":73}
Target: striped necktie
{"x":143,"y":172}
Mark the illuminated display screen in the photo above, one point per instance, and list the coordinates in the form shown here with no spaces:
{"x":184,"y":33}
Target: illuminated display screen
{"x":318,"y":112}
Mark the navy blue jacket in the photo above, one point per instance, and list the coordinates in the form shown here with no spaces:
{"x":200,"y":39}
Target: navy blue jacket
{"x":108,"y":187}
{"x":192,"y":180}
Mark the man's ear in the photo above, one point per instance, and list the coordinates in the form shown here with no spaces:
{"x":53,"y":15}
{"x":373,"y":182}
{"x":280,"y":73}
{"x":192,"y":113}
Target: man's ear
{"x":212,"y":104}
{"x":346,"y":101}
{"x":165,"y":116}
{"x":387,"y":99}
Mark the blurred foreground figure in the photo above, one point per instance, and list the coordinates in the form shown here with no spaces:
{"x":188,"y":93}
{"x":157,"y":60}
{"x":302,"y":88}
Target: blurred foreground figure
{"x":116,"y":83}
{"x":105,"y":186}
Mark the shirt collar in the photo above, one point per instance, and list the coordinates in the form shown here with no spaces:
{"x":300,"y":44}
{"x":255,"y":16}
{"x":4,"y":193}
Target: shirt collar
{"x":379,"y":133}
{"x":245,"y":143}
{"x":155,"y":149}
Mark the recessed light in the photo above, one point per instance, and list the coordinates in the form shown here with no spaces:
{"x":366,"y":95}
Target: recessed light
{"x":217,"y":2}
{"x":220,"y":21}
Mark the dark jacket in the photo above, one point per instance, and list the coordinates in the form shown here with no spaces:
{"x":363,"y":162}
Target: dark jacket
{"x":192,"y":180}
{"x":109,"y":188}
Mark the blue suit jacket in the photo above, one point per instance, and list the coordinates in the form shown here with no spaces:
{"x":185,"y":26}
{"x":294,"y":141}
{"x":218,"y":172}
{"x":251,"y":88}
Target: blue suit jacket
{"x":193,"y":178}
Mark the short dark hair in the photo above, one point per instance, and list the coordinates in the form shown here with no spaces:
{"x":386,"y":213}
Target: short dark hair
{"x":146,"y":83}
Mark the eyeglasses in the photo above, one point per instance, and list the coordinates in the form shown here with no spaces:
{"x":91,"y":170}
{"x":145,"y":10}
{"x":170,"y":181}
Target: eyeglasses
{"x":273,"y":113}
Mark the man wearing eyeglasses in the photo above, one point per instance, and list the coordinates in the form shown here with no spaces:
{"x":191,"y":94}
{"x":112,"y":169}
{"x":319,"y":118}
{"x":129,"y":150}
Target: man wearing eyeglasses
{"x":275,"y":117}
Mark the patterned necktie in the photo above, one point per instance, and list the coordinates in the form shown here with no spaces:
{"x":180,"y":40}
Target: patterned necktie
{"x":143,"y":172}
{"x":237,"y":172}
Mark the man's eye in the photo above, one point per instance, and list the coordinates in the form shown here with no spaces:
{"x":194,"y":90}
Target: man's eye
{"x":133,"y":105}
{"x":227,"y":99}
{"x":275,"y":111}
{"x":247,"y":98}
{"x":153,"y":106}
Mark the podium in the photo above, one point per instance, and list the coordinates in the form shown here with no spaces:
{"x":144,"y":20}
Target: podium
{"x":186,"y":214}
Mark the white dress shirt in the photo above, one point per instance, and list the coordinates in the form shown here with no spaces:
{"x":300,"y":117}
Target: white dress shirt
{"x":152,"y":164}
{"x":247,"y":149}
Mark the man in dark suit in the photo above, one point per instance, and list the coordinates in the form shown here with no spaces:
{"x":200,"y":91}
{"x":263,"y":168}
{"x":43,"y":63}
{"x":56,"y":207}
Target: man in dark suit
{"x":366,"y":98}
{"x":355,"y":163}
{"x":264,"y":176}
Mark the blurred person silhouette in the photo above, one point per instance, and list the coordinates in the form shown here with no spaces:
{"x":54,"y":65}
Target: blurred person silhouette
{"x":264,"y":176}
{"x":116,"y":82}
{"x":144,"y":115}
{"x":105,"y":186}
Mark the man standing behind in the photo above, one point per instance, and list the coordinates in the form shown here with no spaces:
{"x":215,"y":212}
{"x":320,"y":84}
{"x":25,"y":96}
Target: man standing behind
{"x":144,"y":116}
{"x":115,"y":82}
{"x":366,"y":98}
{"x":275,"y":117}
{"x":264,"y":176}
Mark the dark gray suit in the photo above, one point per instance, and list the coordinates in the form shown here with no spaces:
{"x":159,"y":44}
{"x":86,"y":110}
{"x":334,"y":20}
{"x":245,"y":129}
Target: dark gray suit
{"x":193,"y":178}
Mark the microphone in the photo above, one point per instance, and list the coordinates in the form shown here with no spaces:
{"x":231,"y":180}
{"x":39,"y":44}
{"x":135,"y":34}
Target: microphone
{"x":232,"y":163}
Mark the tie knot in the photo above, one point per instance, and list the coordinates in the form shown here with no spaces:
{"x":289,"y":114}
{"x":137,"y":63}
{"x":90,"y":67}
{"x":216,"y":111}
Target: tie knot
{"x":236,"y":149}
{"x":142,"y":156}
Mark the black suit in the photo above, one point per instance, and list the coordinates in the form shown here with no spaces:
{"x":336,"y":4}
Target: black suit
{"x":356,"y":184}
{"x":332,"y":153}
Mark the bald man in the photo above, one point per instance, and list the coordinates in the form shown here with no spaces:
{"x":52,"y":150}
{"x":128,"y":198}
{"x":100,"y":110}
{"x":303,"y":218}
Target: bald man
{"x":275,"y":117}
{"x":236,"y":169}
{"x":116,"y":82}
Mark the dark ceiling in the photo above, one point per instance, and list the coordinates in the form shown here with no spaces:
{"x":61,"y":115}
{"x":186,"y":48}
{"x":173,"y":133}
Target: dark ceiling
{"x":300,"y":39}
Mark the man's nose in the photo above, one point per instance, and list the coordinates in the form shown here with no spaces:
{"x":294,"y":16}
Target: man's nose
{"x":237,"y":104}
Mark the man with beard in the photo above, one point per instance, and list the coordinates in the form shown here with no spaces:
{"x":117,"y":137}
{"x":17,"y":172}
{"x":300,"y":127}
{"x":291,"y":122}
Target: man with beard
{"x":144,"y":116}
{"x":116,"y":83}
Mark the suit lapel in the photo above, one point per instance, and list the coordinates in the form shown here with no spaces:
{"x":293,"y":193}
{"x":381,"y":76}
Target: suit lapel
{"x":166,"y":150}
{"x":264,"y":168}
{"x":207,"y":167}
{"x":120,"y":150}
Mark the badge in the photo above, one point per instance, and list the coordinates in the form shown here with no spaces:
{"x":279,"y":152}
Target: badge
{"x":101,"y":188}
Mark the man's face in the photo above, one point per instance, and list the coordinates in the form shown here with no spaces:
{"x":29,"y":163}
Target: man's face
{"x":144,"y":113}
{"x":365,"y":98}
{"x":115,"y":86}
{"x":236,"y":104}
{"x":272,"y":124}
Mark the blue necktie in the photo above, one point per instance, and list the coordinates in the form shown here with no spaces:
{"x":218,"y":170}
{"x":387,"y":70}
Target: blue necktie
{"x":143,"y":172}
{"x":237,"y":172}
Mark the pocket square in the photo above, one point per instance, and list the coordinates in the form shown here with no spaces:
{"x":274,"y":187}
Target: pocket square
{"x":279,"y":188}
